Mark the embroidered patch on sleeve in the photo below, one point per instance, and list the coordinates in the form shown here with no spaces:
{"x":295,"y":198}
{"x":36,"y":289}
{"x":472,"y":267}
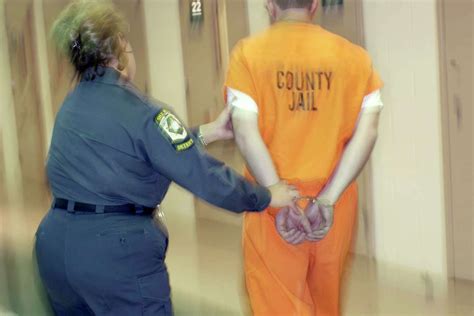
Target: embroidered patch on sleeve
{"x":173,"y":130}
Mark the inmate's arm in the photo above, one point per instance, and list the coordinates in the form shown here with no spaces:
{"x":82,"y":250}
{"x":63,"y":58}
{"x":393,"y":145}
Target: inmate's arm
{"x":252,"y":147}
{"x":354,"y":157}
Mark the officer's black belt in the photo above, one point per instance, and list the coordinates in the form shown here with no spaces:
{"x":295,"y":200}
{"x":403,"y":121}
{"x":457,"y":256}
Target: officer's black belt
{"x":72,"y":206}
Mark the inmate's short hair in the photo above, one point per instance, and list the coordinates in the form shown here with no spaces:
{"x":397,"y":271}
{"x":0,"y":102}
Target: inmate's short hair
{"x":293,"y":4}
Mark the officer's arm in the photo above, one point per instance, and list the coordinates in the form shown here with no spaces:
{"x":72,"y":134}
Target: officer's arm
{"x":251,"y":145}
{"x":219,"y":129}
{"x":355,"y":156}
{"x":185,"y":163}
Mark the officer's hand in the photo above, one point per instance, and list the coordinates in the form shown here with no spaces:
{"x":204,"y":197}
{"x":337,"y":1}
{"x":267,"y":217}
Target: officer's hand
{"x":292,"y":225}
{"x":220,"y":129}
{"x":283,"y":194}
{"x":223,"y":124}
{"x":321,"y":218}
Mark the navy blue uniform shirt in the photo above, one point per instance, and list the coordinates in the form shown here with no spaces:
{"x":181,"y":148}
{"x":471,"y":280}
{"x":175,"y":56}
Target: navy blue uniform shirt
{"x":111,"y":145}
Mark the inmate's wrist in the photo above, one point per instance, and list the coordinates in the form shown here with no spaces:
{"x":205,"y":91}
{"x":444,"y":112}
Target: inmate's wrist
{"x":327,"y":199}
{"x":270,"y":183}
{"x":325,"y":202}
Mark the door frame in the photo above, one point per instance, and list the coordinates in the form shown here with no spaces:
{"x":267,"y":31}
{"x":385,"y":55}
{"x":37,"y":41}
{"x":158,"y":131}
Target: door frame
{"x":366,"y":203}
{"x":364,"y":179}
{"x":445,"y":130}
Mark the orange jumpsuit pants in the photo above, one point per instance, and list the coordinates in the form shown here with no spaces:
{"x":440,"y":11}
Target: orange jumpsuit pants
{"x":305,"y":279}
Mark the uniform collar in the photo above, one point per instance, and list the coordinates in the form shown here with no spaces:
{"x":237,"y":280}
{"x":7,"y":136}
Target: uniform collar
{"x":106,"y":75}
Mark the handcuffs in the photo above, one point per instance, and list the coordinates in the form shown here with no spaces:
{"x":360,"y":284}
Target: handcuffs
{"x":314,"y":199}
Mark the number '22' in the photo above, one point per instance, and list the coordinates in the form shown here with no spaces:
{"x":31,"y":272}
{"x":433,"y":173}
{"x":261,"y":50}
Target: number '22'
{"x":196,"y":7}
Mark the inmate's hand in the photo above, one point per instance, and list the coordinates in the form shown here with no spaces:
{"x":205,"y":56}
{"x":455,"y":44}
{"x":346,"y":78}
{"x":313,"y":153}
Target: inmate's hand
{"x":313,"y":214}
{"x":292,"y":224}
{"x":283,"y":194}
{"x":321,"y":218}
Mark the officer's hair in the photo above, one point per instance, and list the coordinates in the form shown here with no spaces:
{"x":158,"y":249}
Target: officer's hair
{"x":293,"y":4}
{"x":88,"y":32}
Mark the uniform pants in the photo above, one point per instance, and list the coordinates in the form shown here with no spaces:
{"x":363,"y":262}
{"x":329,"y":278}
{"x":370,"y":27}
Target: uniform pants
{"x":283,"y":279}
{"x":103,"y":264}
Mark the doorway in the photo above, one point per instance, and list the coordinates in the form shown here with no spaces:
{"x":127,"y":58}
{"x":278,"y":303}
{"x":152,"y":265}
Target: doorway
{"x":207,"y":41}
{"x":457,"y":68}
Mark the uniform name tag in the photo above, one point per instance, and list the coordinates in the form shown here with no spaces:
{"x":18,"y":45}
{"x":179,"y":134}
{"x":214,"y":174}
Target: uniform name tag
{"x":173,"y":130}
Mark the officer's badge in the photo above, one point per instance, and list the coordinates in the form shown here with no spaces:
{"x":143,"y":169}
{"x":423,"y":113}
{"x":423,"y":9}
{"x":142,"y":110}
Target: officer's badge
{"x":173,"y":130}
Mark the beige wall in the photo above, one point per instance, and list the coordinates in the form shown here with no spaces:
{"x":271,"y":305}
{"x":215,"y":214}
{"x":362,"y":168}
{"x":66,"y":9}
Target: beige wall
{"x":18,"y":288}
{"x":407,"y":162}
{"x":7,"y":120}
{"x":258,"y":17}
{"x":47,"y":115}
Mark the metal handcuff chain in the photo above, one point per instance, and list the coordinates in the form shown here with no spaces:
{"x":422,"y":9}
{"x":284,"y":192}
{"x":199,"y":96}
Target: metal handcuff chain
{"x":314,"y":199}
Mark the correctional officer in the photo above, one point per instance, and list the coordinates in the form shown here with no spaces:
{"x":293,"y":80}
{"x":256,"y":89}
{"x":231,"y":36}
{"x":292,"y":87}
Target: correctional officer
{"x":114,"y":153}
{"x":306,"y":109}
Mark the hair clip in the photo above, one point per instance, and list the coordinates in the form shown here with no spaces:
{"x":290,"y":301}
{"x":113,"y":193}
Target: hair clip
{"x":76,"y":44}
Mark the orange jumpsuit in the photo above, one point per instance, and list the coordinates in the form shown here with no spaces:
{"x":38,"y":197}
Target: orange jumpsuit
{"x":309,"y":85}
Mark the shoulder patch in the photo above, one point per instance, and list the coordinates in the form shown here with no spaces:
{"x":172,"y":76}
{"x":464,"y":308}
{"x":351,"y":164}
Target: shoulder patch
{"x":173,"y":130}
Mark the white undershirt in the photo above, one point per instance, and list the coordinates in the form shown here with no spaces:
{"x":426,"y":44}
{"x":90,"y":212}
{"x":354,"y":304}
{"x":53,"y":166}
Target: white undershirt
{"x":235,"y":98}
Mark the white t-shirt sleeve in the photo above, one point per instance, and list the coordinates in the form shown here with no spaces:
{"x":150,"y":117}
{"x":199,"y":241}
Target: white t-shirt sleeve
{"x":372,"y":102}
{"x":240,"y":100}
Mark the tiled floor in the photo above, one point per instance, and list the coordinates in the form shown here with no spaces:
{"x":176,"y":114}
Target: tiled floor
{"x":371,"y":288}
{"x":205,"y":265}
